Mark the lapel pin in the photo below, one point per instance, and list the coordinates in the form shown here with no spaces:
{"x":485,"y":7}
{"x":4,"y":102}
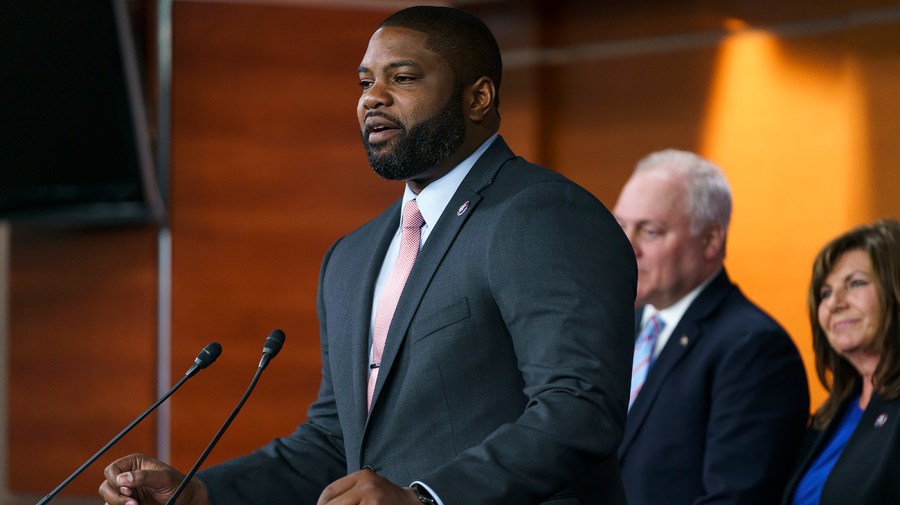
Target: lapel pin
{"x":463,"y":208}
{"x":881,"y":420}
{"x":683,"y":341}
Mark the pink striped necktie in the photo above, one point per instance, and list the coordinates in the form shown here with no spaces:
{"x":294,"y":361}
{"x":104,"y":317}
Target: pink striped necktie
{"x":387,"y":304}
{"x":643,"y":355}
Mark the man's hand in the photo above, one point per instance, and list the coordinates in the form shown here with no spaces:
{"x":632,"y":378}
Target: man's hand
{"x":142,"y":480}
{"x":365,"y":487}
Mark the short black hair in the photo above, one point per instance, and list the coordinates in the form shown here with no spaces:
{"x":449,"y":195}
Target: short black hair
{"x":459,"y":37}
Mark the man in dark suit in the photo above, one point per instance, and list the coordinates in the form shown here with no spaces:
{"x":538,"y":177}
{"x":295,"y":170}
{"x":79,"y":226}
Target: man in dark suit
{"x":719,"y":414}
{"x":503,"y":375}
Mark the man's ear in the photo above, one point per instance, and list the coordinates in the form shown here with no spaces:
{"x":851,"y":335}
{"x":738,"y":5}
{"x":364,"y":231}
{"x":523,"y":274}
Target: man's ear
{"x":713,"y":241}
{"x":478,"y":99}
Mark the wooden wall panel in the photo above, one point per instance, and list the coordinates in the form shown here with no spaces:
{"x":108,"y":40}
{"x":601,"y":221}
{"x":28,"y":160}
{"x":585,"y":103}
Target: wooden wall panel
{"x":268,"y":170}
{"x":82,"y":350}
{"x":878,"y":51}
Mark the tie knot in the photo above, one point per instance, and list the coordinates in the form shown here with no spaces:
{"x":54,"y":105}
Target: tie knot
{"x":412,"y":218}
{"x":653,"y":327}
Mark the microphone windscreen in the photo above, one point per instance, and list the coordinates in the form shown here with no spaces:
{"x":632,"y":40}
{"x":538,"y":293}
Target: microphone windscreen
{"x":208,"y":355}
{"x":273,"y":343}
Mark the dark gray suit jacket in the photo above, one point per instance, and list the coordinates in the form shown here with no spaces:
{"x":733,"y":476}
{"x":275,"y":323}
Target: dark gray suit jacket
{"x":505,"y":373}
{"x":868,"y":469}
{"x":722,"y":412}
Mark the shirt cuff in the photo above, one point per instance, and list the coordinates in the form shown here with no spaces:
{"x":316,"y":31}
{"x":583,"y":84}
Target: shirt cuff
{"x":430,"y":491}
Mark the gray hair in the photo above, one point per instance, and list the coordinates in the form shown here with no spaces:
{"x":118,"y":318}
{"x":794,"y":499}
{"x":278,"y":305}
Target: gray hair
{"x":708,"y":194}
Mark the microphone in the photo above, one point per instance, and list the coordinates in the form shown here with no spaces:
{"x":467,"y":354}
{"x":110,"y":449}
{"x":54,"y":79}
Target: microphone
{"x":207,"y":356}
{"x":270,"y":349}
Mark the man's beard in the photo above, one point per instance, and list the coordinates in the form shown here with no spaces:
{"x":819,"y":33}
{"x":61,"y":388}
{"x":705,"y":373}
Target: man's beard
{"x":421,"y":147}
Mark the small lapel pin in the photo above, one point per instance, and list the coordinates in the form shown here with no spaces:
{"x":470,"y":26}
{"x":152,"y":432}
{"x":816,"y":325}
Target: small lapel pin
{"x":463,"y":208}
{"x":881,"y":420}
{"x":683,"y":341}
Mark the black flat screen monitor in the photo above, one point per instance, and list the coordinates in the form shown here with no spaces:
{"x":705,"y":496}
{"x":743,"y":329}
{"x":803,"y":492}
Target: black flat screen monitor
{"x":74,"y":142}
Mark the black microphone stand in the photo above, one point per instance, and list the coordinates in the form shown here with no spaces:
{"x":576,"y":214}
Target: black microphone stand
{"x":270,"y":349}
{"x":215,"y":440}
{"x":209,"y":354}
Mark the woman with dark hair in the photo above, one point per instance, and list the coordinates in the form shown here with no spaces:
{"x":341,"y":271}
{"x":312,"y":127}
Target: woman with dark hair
{"x":852,"y":449}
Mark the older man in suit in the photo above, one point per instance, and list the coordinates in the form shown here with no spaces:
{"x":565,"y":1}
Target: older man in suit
{"x":474,"y":350}
{"x":719,"y":398}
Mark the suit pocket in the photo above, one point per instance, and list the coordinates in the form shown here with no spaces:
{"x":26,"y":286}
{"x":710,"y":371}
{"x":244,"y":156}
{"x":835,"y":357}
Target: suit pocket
{"x":436,"y":320}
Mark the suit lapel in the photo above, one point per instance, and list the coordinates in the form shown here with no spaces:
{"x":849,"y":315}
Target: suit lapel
{"x":684,"y":337}
{"x":383,"y":232}
{"x":812,"y":444}
{"x":462,"y":205}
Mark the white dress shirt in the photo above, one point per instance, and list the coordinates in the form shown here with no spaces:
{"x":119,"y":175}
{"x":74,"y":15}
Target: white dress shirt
{"x":672,"y":314}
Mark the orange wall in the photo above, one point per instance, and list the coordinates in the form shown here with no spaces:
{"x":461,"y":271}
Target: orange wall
{"x":791,"y":121}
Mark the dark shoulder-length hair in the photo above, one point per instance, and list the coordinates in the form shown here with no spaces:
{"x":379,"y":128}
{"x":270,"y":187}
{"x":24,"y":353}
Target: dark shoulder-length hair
{"x":881,"y":241}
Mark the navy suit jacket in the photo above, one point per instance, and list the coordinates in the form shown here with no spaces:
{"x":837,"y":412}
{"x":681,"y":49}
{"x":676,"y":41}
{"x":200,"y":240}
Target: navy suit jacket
{"x":505,"y":373}
{"x":722,"y":411}
{"x":868,"y":469}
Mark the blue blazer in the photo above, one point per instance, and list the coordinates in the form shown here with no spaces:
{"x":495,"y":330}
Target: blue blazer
{"x":722,"y":411}
{"x":868,"y":469}
{"x":505,"y":374}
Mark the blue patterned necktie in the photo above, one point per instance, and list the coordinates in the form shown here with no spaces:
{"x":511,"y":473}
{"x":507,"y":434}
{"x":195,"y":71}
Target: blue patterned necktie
{"x":643,"y":355}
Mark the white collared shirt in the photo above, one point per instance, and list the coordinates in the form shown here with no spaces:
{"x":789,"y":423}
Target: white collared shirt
{"x":672,"y":314}
{"x":431,"y":200}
